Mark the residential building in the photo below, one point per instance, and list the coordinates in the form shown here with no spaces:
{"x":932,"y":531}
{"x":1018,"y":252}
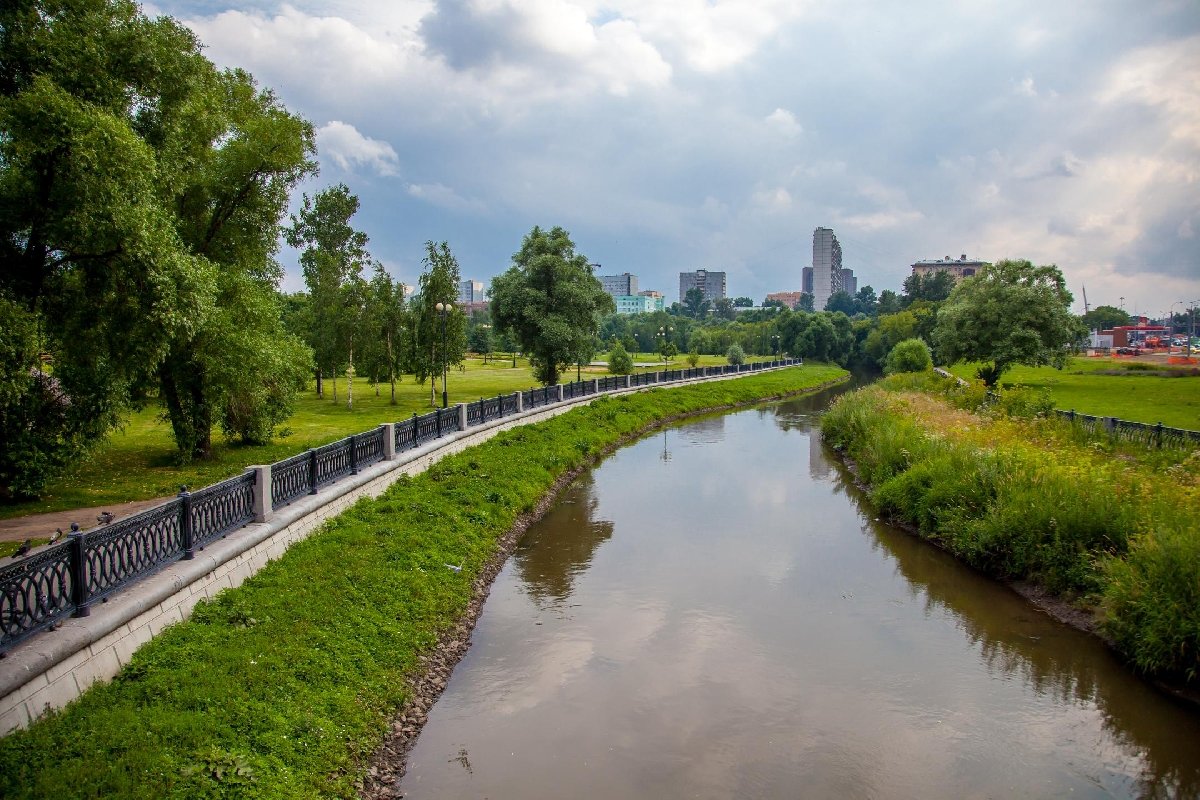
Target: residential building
{"x":634,"y":304}
{"x":623,"y":285}
{"x":959,"y":268}
{"x":712,"y":284}
{"x":470,"y":292}
{"x":827,"y":267}
{"x":789,"y":299}
{"x":660,"y":301}
{"x":806,"y":280}
{"x":849,"y":282}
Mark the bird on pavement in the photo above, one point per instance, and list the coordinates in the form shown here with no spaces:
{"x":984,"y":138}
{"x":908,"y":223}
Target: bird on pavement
{"x":105,"y":517}
{"x":24,"y":549}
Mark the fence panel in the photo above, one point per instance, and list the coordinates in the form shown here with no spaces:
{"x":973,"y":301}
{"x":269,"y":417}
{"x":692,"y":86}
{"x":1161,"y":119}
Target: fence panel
{"x":427,"y":428}
{"x":333,"y":461}
{"x":34,"y":593}
{"x":218,"y":509}
{"x":369,"y":447}
{"x":508,"y":404}
{"x":117,"y":554}
{"x":290,"y":479}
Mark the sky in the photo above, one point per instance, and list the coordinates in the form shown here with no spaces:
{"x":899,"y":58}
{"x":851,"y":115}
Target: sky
{"x":672,"y":135}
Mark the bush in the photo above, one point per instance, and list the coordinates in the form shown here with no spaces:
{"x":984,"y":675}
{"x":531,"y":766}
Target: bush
{"x":693,"y":358}
{"x":736,"y":355}
{"x":910,"y":355}
{"x":619,"y":360}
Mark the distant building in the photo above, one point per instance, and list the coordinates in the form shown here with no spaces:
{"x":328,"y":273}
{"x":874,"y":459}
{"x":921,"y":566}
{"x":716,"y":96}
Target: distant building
{"x":470,"y":292}
{"x":635,"y":304}
{"x":623,"y":285}
{"x":959,"y":268}
{"x":827,"y":267}
{"x":712,"y":284}
{"x":660,"y":301}
{"x":806,"y":280}
{"x":849,"y":282}
{"x":789,"y":299}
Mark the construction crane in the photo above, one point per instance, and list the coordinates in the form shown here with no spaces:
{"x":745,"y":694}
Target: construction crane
{"x":1086,"y":307}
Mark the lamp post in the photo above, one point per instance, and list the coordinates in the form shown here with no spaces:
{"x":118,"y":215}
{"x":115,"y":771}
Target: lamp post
{"x":775,"y":345}
{"x":1192,"y":327}
{"x":1171,"y":324}
{"x":443,"y":309}
{"x":663,"y":335}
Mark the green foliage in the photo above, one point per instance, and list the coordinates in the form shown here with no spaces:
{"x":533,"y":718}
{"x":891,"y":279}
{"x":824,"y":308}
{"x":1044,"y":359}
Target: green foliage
{"x":550,"y":301}
{"x":1103,"y":318}
{"x":736,"y":356}
{"x":695,"y":304}
{"x":619,"y":360}
{"x":1047,"y":515}
{"x":440,"y":338}
{"x":910,"y":355}
{"x":1010,"y":313}
{"x":693,"y":358}
{"x":284,"y":686}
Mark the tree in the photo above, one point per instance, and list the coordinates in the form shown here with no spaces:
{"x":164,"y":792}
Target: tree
{"x":693,"y":357}
{"x":934,"y":287}
{"x":550,"y":301}
{"x":743,"y":302}
{"x":695,"y":304}
{"x":332,"y":256}
{"x":440,"y":340}
{"x":1103,"y":318}
{"x":140,"y":192}
{"x":725,"y":309}
{"x":841,"y":301}
{"x":889,"y":302}
{"x":806,"y":302}
{"x":1012,"y":312}
{"x":735,"y":355}
{"x":865,"y":301}
{"x":387,"y":320}
{"x":619,"y":360}
{"x":910,"y":355}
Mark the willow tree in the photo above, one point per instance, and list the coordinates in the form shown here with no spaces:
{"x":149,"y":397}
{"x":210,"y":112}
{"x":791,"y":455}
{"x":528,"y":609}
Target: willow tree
{"x":550,"y":301}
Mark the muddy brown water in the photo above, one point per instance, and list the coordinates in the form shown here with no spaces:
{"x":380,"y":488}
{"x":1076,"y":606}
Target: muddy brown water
{"x":713,"y":612}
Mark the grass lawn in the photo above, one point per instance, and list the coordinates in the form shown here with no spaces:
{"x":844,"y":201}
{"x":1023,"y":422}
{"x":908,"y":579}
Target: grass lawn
{"x":1141,"y":392}
{"x":138,"y":462}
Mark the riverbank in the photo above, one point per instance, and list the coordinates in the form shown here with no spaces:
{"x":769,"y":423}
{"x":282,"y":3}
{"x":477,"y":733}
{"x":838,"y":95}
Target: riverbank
{"x":286,"y":686}
{"x":1102,"y":535}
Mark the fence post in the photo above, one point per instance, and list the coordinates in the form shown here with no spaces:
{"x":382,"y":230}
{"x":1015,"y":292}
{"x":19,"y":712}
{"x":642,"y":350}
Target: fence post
{"x":416,"y":429}
{"x":437,"y":418}
{"x":520,"y":402}
{"x":389,"y":441}
{"x":312,"y":471}
{"x":79,"y":592}
{"x":1110,"y":425}
{"x":1071,"y":416}
{"x":462,"y":416}
{"x":354,"y":454}
{"x":595,"y":385}
{"x":1158,"y":429}
{"x":185,"y":524}
{"x":263,"y":502}
{"x":558,"y":388}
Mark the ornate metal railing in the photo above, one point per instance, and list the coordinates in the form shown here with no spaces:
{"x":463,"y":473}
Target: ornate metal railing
{"x":68,"y":577}
{"x":1138,"y":432}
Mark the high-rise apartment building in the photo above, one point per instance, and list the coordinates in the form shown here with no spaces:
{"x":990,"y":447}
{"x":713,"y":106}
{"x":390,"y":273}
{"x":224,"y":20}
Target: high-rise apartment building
{"x":711,"y":283}
{"x":623,"y":285}
{"x":827,"y":267}
{"x":849,"y":282}
{"x":470,"y":292}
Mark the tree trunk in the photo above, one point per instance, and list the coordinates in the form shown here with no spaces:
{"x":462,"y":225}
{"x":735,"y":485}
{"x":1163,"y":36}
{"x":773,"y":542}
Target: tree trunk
{"x":320,"y":388}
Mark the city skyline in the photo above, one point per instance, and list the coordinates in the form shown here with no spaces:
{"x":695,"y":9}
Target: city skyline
{"x":722,"y":133}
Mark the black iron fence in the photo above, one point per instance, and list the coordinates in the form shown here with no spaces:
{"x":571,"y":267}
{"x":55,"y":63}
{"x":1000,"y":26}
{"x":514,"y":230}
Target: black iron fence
{"x":67,"y":577}
{"x":1157,"y":435}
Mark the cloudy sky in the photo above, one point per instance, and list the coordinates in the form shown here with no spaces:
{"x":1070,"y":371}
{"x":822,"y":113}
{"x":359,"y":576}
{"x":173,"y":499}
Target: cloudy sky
{"x":671,"y":135}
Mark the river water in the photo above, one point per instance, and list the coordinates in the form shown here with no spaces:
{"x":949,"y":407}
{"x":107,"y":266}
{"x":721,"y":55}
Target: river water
{"x":712,"y":612}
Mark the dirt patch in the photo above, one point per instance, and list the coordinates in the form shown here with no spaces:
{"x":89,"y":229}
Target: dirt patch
{"x":390,"y":761}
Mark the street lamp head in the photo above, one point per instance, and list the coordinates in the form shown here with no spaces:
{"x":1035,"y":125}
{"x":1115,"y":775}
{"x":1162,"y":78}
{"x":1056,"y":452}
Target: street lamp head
{"x":440,"y":307}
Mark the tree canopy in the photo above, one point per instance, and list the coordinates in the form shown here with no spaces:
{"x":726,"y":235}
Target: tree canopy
{"x":550,"y":301}
{"x":1102,"y":318}
{"x":140,"y":193}
{"x":1012,"y":312}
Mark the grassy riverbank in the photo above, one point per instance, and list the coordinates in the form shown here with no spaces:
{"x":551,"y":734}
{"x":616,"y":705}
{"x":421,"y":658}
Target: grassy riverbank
{"x":1115,"y":527}
{"x":284,"y":687}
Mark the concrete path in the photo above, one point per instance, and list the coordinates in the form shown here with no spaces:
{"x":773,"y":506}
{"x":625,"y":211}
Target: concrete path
{"x":41,"y":526}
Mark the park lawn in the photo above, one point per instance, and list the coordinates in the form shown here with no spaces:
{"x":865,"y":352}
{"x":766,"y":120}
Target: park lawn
{"x":138,"y":462}
{"x":1142,"y":394}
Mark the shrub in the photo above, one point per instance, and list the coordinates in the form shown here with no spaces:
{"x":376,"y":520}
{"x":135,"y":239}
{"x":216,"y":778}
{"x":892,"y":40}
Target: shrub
{"x":736,"y":355}
{"x":910,"y":355}
{"x":619,"y":360}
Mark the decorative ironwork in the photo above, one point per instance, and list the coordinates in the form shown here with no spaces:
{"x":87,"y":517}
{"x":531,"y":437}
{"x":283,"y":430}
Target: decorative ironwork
{"x":508,"y":404}
{"x":369,"y":447}
{"x":333,"y":461}
{"x":289,"y":479}
{"x":449,"y":420}
{"x":117,"y":554}
{"x":427,"y":427}
{"x":475,"y":413}
{"x":34,"y":593}
{"x":406,"y":434}
{"x":490,"y":408}
{"x":218,"y":509}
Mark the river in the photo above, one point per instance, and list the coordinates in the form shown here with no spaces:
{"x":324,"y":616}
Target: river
{"x":713,"y":612}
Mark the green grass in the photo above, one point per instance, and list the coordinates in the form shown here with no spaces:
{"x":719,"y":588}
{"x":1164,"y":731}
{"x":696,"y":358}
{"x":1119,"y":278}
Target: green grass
{"x":138,"y":462}
{"x":1116,"y":525}
{"x":1142,"y":393}
{"x":283,"y":687}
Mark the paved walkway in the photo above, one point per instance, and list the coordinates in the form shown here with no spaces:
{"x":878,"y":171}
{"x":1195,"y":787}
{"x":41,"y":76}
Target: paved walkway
{"x":41,"y":526}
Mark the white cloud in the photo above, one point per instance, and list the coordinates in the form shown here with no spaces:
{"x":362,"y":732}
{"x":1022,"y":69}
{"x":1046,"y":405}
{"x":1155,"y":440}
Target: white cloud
{"x":443,"y":196}
{"x":1166,"y":77}
{"x":784,"y":122}
{"x":349,"y":149}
